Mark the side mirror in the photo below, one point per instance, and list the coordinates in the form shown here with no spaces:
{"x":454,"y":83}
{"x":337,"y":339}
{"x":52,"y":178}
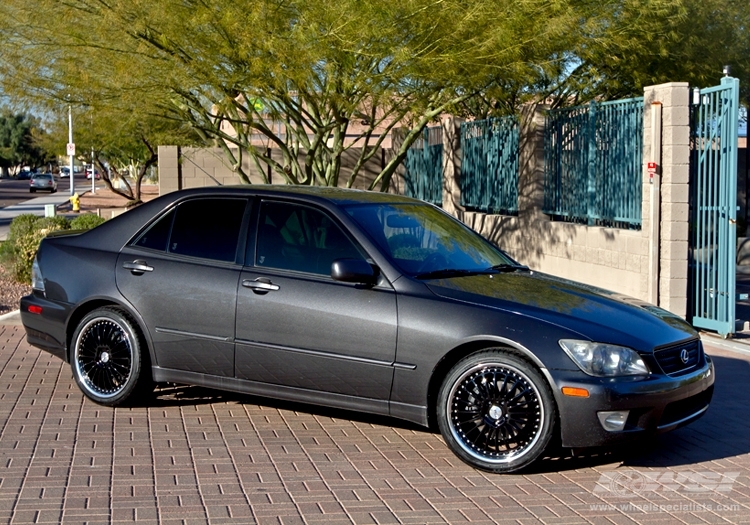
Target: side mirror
{"x":356,"y":271}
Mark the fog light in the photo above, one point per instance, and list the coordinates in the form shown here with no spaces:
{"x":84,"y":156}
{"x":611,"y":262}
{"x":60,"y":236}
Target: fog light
{"x":613,"y":421}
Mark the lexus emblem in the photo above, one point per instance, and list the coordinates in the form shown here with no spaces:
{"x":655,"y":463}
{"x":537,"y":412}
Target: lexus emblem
{"x":684,"y":356}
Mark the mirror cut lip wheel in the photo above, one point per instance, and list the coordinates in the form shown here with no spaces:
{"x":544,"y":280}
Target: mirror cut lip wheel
{"x":103,"y":357}
{"x":495,"y":413}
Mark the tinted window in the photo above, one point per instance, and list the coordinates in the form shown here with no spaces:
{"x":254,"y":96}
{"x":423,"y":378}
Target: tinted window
{"x":293,"y":237}
{"x":207,"y":228}
{"x":421,"y":238}
{"x":157,"y":235}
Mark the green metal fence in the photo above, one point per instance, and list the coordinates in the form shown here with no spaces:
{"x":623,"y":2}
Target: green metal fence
{"x":424,"y":167}
{"x":593,"y":163}
{"x":489,"y":165}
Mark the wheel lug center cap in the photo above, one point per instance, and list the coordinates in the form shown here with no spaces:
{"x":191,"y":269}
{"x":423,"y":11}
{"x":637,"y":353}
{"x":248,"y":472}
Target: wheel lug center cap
{"x":495,"y":412}
{"x":104,"y":357}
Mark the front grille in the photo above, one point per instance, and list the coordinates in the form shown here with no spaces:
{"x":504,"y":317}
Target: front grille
{"x":671,"y":359}
{"x":679,"y":410}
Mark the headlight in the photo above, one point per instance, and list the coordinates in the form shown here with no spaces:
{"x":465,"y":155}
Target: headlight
{"x":603,"y":360}
{"x":37,"y":281}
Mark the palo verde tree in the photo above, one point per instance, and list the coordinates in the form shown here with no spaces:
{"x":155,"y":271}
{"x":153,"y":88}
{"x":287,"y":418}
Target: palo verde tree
{"x":293,"y":74}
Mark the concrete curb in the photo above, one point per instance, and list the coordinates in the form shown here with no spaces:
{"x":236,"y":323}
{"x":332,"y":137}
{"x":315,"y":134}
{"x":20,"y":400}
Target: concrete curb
{"x":8,"y":315}
{"x":732,"y":345}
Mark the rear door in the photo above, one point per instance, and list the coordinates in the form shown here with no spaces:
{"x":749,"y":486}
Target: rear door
{"x":181,"y":275}
{"x":298,"y":327}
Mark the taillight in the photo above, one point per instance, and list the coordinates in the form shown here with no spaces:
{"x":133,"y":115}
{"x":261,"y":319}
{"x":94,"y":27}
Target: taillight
{"x":34,"y":309}
{"x":37,"y":281}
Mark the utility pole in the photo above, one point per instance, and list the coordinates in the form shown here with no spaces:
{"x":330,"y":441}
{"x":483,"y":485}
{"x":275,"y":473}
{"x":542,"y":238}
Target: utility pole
{"x":71,"y":149}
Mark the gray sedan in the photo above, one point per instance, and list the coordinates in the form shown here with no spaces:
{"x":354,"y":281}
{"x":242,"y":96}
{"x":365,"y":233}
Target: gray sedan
{"x":364,"y":301}
{"x":43,"y":182}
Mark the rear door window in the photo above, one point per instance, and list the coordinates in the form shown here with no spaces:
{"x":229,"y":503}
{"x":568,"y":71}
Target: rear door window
{"x":205,"y":228}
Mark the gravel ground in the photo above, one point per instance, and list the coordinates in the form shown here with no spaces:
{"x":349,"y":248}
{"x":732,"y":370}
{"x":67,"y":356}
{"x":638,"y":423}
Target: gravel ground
{"x":10,"y":292}
{"x":105,"y":201}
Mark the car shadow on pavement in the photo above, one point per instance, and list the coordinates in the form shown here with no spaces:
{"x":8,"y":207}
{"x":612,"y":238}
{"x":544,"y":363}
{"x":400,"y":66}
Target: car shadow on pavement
{"x":720,"y":434}
{"x":184,"y":395}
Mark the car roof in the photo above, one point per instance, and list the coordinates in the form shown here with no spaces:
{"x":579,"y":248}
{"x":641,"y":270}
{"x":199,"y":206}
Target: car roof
{"x":113,"y":234}
{"x":338,"y":196}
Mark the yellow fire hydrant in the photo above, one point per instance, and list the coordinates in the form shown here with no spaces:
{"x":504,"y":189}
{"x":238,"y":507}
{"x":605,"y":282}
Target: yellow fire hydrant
{"x":75,"y":200}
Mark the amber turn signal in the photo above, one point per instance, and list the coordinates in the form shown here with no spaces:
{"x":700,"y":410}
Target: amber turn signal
{"x":575,"y":392}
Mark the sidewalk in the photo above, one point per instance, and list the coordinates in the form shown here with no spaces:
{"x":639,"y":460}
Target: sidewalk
{"x":34,"y":206}
{"x":103,"y":201}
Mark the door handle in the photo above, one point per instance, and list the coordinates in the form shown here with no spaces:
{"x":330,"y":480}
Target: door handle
{"x":138,"y":267}
{"x":260,"y":285}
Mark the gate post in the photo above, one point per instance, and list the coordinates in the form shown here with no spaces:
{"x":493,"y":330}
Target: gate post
{"x":675,"y":175}
{"x":451,"y":164}
{"x":169,"y":169}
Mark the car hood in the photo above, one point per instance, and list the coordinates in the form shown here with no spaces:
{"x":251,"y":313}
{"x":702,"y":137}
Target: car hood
{"x":594,"y":313}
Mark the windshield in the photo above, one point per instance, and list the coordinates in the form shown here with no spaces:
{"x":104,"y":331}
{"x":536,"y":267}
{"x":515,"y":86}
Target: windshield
{"x":423,"y":241}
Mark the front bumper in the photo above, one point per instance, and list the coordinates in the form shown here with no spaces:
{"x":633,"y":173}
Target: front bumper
{"x":657,"y":403}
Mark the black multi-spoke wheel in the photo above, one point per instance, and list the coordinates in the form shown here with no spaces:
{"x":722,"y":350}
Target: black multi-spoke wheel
{"x":106,"y":356}
{"x":496,"y":411}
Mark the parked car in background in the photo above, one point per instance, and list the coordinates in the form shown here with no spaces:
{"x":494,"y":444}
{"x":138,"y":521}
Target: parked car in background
{"x":43,"y":181}
{"x":23,"y":175}
{"x":365,"y":301}
{"x":64,"y":172}
{"x":88,"y":174}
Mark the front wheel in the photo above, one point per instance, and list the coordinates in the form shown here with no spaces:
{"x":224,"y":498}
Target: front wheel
{"x":496,"y":411}
{"x":108,"y":357}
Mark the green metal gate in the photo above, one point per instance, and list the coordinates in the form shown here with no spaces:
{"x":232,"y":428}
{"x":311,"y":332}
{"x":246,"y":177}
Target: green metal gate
{"x":713,"y":206}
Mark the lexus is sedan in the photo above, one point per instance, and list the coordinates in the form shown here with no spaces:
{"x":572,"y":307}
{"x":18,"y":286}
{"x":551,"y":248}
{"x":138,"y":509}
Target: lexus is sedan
{"x":363,"y":301}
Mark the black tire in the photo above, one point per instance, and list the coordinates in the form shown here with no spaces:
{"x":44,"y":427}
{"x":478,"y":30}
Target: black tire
{"x":496,"y":411}
{"x":109,"y":358}
{"x":32,"y":190}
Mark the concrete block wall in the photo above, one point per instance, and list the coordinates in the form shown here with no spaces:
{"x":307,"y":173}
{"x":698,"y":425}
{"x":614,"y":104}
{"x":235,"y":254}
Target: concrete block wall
{"x":184,"y":168}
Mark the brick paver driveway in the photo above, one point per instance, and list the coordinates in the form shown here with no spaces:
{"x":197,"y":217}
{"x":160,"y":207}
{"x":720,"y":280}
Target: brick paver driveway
{"x":197,"y":456}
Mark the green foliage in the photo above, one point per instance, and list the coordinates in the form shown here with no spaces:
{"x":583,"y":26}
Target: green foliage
{"x":26,"y":232}
{"x":321,"y":80}
{"x":86,"y":221}
{"x":18,"y":142}
{"x":314,"y":78}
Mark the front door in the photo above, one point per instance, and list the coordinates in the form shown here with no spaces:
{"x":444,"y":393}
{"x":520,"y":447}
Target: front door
{"x":298,"y":327}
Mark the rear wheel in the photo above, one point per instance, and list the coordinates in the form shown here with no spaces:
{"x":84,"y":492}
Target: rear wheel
{"x":496,"y":411}
{"x":107,"y":357}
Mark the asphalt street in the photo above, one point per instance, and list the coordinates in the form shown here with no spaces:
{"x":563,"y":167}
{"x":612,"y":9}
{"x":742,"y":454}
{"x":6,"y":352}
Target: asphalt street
{"x":16,"y":199}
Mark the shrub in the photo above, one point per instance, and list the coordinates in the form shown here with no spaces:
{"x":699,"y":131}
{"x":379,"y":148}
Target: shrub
{"x":27,"y":231}
{"x":86,"y":222}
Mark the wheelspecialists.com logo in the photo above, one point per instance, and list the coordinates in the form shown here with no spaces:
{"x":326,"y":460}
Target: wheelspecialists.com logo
{"x":626,"y":483}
